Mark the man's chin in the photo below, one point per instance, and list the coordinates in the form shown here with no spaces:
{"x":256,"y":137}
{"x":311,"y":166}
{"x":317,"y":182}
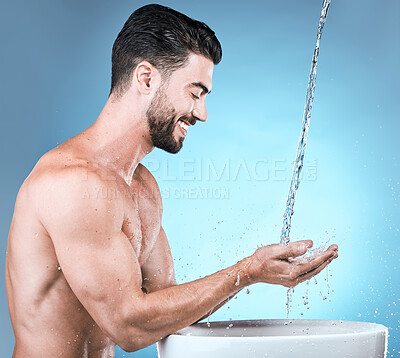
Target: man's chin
{"x":170,"y":147}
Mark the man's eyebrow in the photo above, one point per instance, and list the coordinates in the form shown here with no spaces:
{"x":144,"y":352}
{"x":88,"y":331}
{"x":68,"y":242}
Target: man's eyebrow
{"x":202,"y":86}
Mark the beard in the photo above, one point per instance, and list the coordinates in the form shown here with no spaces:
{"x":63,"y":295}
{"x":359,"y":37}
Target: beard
{"x":161,"y":120}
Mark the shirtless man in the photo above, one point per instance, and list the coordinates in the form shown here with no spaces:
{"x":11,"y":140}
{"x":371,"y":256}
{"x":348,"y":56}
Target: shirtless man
{"x":88,"y":263}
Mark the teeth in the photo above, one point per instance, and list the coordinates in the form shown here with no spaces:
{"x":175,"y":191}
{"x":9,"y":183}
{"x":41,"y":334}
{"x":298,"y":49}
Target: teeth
{"x":183,"y":125}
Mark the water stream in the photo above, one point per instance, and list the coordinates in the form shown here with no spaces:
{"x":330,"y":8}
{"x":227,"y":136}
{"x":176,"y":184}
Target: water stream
{"x":298,"y":164}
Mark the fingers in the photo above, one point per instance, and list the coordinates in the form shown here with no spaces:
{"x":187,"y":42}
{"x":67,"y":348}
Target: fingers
{"x":333,"y":247}
{"x":316,"y":271}
{"x":275,"y":264}
{"x":315,"y":262}
{"x":314,"y":267}
{"x":294,"y":249}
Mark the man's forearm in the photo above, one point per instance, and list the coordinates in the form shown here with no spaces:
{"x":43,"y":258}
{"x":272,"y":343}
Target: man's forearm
{"x":161,"y":313}
{"x":216,"y":308}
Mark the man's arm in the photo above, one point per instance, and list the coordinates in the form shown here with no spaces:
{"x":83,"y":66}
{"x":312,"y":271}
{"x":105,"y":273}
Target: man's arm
{"x":102,"y":269}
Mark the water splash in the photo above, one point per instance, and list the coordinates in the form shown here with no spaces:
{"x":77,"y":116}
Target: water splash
{"x":298,"y":165}
{"x":309,"y":255}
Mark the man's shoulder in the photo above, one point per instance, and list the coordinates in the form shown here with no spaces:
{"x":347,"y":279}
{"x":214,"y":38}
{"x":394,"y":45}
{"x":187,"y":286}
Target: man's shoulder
{"x":60,"y":166}
{"x":70,"y":186}
{"x":60,"y":171}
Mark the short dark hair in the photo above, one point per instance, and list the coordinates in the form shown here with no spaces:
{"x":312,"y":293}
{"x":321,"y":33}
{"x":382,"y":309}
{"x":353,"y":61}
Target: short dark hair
{"x":162,"y":36}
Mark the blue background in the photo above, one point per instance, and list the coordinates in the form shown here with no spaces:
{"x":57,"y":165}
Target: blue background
{"x":225,"y":192}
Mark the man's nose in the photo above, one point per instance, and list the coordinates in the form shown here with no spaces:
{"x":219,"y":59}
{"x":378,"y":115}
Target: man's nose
{"x":200,"y":111}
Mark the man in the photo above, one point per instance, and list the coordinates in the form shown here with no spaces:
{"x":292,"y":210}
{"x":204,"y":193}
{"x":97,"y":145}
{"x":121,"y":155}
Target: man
{"x":88,"y":263}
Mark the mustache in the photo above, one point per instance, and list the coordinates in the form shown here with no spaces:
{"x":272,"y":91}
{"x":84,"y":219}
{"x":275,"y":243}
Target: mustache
{"x":190,"y":119}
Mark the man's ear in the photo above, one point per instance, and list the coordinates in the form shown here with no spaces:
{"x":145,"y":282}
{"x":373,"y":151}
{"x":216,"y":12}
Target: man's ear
{"x":146,"y":77}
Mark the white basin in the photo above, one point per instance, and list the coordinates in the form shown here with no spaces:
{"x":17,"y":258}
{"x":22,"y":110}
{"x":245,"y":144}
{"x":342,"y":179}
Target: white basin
{"x":277,"y":338}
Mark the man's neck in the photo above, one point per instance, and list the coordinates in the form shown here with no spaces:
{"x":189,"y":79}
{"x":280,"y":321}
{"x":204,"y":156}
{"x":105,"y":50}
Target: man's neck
{"x":119,"y":139}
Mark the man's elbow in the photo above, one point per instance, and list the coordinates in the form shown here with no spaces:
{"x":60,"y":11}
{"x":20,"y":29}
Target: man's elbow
{"x":132,"y":344}
{"x":137,"y":340}
{"x":131,"y":334}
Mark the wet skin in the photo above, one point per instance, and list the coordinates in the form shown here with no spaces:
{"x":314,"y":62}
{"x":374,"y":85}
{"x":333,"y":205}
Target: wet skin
{"x":88,"y":263}
{"x":47,"y":316}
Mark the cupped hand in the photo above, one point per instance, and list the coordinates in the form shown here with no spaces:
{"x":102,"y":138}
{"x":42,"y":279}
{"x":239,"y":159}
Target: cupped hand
{"x":274,"y":263}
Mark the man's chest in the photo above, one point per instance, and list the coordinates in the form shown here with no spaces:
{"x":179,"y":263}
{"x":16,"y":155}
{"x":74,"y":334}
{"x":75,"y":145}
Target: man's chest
{"x":142,"y":221}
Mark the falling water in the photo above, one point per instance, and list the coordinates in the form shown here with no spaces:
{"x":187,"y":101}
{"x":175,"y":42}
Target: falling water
{"x":298,"y":165}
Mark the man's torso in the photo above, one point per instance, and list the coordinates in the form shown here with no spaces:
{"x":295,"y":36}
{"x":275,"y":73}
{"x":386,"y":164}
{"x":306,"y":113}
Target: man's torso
{"x":46,"y":315}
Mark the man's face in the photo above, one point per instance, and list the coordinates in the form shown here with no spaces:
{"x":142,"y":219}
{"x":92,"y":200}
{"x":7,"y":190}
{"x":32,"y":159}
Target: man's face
{"x":179,"y":103}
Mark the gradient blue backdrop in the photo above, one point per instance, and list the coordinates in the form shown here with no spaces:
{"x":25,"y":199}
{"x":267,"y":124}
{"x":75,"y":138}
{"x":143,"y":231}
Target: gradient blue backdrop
{"x":225,"y":192}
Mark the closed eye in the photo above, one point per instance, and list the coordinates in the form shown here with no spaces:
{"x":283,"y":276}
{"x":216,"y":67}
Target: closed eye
{"x":195,"y":97}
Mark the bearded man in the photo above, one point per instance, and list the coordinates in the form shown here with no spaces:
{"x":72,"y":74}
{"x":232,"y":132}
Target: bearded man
{"x":86,"y":271}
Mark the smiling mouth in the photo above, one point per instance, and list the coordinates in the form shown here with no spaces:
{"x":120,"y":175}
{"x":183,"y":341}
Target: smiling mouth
{"x":183,"y":125}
